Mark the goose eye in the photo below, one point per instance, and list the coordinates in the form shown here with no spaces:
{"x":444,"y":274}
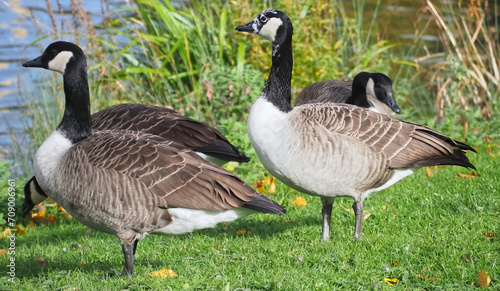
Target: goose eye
{"x":263,"y":18}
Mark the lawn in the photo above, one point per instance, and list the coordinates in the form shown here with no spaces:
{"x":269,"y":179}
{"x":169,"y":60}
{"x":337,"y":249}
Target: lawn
{"x":427,"y":232}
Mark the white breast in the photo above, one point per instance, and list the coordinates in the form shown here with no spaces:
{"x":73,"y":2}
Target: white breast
{"x":188,"y":220}
{"x":47,"y":159}
{"x":309,"y":157}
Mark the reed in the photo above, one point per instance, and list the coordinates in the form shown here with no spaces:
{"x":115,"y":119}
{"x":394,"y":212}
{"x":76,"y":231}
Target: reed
{"x":466,"y":73}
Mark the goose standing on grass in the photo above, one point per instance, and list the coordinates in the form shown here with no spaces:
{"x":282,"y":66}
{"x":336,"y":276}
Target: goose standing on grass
{"x":369,"y":90}
{"x":206,"y":141}
{"x":328,"y":149}
{"x":127,"y":183}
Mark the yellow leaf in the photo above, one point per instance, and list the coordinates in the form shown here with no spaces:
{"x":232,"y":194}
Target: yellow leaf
{"x":299,"y":201}
{"x":471,"y":175}
{"x":483,"y":279}
{"x":5,"y":232}
{"x":163,"y":273}
{"x":19,"y":229}
{"x":241,"y":231}
{"x":429,"y":173}
{"x":389,"y":281}
{"x":2,"y":252}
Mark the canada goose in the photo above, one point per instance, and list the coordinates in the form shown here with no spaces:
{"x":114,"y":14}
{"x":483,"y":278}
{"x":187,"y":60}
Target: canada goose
{"x":369,"y":90}
{"x":329,"y":149}
{"x":206,"y":141}
{"x":127,"y":183}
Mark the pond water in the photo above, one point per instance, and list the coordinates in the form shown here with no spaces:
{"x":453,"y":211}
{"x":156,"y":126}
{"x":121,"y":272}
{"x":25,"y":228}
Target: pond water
{"x":18,"y":30}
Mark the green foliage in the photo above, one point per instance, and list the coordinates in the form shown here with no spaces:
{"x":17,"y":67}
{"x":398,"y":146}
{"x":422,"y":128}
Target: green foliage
{"x":10,"y":195}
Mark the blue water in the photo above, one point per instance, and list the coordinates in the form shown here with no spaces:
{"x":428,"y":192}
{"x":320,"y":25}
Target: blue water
{"x":18,"y":32}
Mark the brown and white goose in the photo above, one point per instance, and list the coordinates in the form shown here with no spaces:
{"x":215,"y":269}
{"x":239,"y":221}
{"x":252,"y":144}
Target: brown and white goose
{"x":369,"y":90}
{"x":331,"y":150}
{"x":127,"y":183}
{"x":205,"y":140}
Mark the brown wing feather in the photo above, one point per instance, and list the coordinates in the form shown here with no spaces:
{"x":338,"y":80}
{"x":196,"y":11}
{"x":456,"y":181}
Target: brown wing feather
{"x":405,"y":145}
{"x":170,"y":125}
{"x":325,"y":91}
{"x":167,"y":170}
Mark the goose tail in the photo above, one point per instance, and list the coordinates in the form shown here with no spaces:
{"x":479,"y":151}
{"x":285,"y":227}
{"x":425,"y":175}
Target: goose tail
{"x":263,"y":204}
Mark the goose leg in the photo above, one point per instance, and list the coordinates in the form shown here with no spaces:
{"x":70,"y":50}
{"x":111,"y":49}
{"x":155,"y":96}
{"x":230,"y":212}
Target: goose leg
{"x":129,"y":253}
{"x":326,"y":212}
{"x":358,"y":214}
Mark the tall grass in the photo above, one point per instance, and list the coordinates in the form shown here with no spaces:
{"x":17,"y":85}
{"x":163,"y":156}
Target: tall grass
{"x":466,"y":74}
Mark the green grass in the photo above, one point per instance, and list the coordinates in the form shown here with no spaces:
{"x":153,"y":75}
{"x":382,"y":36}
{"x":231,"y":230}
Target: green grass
{"x":427,"y":225}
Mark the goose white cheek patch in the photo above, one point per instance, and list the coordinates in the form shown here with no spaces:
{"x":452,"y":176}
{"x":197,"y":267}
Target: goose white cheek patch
{"x":269,"y":30}
{"x":370,"y":87}
{"x":59,"y":63}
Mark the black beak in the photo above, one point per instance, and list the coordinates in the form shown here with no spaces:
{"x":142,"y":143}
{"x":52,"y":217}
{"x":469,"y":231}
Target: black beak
{"x":36,"y":63}
{"x":391,"y":102}
{"x":245,"y":27}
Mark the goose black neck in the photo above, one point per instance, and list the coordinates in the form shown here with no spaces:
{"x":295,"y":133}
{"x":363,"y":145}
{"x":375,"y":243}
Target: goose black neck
{"x":358,"y":96}
{"x":75,"y":124}
{"x":277,"y":89}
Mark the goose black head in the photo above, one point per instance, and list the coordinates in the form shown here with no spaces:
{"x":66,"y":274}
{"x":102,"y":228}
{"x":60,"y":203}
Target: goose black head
{"x":379,"y":86}
{"x":272,"y":25}
{"x":33,"y":195}
{"x":59,"y":56}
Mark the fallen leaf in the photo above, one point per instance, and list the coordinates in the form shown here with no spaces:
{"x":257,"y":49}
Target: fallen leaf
{"x":390,"y":281}
{"x":433,"y":278}
{"x":216,"y":246}
{"x":2,"y":252}
{"x":471,"y":175}
{"x":19,"y":229}
{"x":30,"y":225}
{"x":42,"y":261}
{"x":61,"y":210}
{"x":429,"y":173}
{"x":51,"y":218}
{"x":82,"y":263}
{"x":466,"y":258}
{"x":395,"y":263}
{"x":299,"y":201}
{"x":5,"y":232}
{"x":420,"y":276}
{"x":163,"y":273}
{"x":483,"y":279}
{"x":240,"y":231}
{"x":490,"y":234}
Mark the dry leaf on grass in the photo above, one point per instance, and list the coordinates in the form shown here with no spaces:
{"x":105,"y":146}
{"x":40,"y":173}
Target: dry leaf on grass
{"x":483,"y":279}
{"x":163,"y":273}
{"x":471,"y":175}
{"x":299,"y":201}
{"x":390,"y":281}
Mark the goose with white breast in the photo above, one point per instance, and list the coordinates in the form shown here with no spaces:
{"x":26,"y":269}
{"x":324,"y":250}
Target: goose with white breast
{"x":205,"y":140}
{"x":127,"y":183}
{"x":368,"y":90}
{"x":328,"y":149}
